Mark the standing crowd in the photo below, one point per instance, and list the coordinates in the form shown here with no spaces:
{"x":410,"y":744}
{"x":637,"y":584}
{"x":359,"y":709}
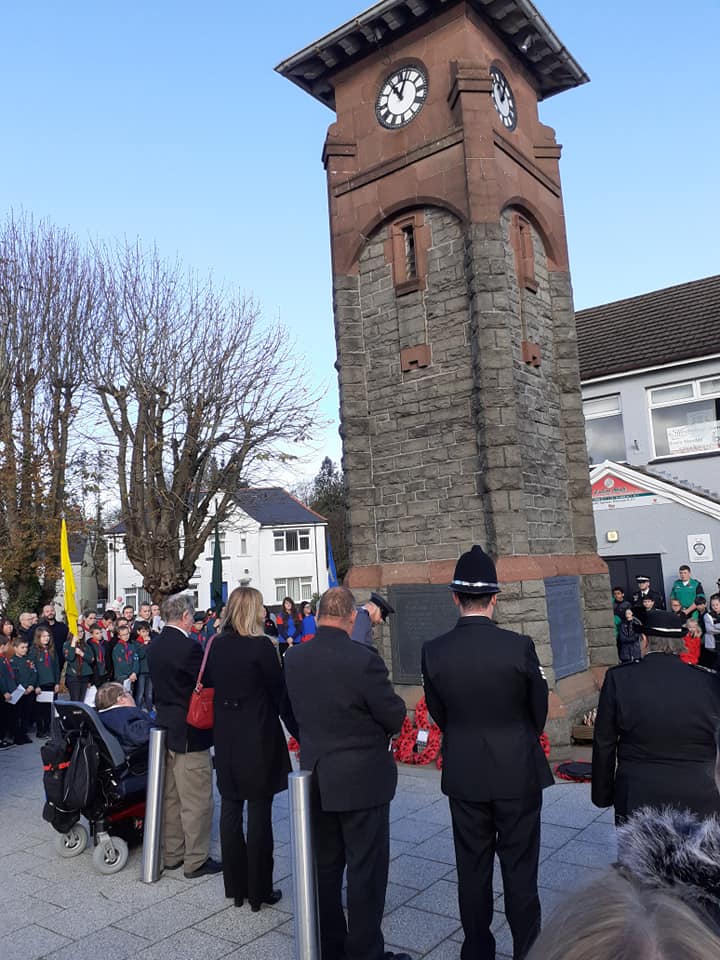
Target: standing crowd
{"x":323,"y":682}
{"x":698,"y":617}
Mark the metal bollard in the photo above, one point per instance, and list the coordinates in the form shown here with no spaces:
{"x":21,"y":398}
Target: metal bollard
{"x":152,"y":837}
{"x":307,"y":925}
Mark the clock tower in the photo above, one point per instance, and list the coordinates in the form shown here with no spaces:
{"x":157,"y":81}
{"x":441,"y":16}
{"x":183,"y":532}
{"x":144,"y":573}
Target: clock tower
{"x":460,"y":405}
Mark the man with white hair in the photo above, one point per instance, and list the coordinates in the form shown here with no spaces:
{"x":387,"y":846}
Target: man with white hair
{"x":174,"y":658}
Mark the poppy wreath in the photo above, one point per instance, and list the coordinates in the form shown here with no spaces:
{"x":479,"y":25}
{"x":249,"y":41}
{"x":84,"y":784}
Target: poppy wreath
{"x":404,"y":748}
{"x":293,"y":746}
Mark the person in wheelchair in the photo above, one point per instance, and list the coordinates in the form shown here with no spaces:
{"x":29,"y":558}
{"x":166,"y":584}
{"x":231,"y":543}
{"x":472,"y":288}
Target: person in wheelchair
{"x":118,"y":712}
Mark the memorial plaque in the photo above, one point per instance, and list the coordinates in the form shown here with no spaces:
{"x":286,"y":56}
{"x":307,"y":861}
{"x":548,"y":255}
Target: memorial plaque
{"x":567,"y":633}
{"x":422,"y":611}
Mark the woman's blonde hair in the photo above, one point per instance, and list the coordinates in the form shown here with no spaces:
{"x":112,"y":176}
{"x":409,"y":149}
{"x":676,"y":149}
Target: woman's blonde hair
{"x":245,"y":613}
{"x":615,"y":919}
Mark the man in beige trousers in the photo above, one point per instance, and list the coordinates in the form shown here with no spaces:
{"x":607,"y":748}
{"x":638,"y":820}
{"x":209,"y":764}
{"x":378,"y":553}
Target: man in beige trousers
{"x":174,"y":658}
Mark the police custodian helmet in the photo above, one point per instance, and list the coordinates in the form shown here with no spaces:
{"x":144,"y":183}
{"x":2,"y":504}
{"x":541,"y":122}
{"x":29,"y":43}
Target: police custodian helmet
{"x":475,"y":573}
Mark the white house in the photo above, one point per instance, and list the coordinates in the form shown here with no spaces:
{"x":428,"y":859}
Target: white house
{"x":273,"y":542}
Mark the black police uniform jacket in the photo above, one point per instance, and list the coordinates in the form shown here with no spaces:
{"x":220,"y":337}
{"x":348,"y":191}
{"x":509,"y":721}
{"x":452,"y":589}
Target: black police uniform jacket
{"x":657,"y":719}
{"x":346,"y":710}
{"x":485,"y":689}
{"x":174,"y":659}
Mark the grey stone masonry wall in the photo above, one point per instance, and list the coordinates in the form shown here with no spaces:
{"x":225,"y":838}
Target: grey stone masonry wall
{"x":409,"y":442}
{"x":572,"y":422}
{"x":354,"y":419}
{"x":493,"y":333}
{"x":544,"y":470}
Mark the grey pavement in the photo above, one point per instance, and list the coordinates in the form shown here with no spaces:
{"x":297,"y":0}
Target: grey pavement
{"x":62,"y":909}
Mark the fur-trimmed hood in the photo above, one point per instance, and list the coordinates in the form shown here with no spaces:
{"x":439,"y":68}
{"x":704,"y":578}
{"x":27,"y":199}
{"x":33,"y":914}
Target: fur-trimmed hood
{"x":673,"y":848}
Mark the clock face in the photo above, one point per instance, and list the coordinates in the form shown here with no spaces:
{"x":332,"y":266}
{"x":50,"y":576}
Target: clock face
{"x":401,"y":97}
{"x":503,"y":99}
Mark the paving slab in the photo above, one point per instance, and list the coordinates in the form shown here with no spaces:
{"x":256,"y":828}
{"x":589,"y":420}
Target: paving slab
{"x":178,"y":919}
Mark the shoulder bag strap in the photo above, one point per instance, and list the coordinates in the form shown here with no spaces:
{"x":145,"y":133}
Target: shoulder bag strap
{"x":198,"y":685}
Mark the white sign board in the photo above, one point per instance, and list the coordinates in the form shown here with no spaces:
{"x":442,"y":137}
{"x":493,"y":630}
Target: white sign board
{"x":694,"y":437}
{"x":699,"y":548}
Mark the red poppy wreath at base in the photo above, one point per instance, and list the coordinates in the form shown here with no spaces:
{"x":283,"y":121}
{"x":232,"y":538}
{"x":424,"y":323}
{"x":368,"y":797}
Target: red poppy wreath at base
{"x":405,"y":746}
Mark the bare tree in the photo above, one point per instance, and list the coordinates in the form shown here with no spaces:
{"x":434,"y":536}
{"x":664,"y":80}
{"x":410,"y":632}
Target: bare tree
{"x":198,"y":395}
{"x":47,"y":297}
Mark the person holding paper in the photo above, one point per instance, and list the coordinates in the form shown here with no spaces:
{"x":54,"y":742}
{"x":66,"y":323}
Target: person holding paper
{"x":7,"y":683}
{"x":80,"y":658}
{"x":46,"y":663}
{"x":125,"y":659}
{"x":26,"y":676}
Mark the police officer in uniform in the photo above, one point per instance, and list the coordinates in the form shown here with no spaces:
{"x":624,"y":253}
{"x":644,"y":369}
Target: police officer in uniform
{"x":376,"y":610}
{"x":645,"y":590}
{"x":656,"y":720}
{"x":485,"y":689}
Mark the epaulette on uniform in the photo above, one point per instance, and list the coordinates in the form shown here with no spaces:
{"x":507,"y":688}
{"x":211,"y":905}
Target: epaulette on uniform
{"x":704,"y":669}
{"x":623,"y":663}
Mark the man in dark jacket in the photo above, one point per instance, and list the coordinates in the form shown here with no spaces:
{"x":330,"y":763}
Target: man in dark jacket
{"x":657,"y":719}
{"x":57,"y":628}
{"x":486,"y":690}
{"x":174,"y":658}
{"x":347,"y":711}
{"x":645,"y":590}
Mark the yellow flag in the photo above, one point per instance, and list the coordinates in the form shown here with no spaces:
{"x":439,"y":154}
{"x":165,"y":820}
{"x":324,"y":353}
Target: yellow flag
{"x":71,"y":610}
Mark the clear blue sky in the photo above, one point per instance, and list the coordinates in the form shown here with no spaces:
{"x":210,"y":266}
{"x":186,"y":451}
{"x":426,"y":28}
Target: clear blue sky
{"x":165,"y":120}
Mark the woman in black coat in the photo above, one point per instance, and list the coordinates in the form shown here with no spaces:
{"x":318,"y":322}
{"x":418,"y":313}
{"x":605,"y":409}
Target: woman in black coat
{"x":251,"y":756}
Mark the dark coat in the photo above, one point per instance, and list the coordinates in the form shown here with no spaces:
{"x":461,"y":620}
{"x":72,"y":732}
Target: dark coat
{"x":657,"y":718}
{"x":347,"y":711}
{"x":251,"y":757}
{"x":129,"y":724}
{"x":174,"y":660}
{"x":637,"y":603}
{"x":485,"y":689}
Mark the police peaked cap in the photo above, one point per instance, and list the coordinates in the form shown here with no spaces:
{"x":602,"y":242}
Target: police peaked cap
{"x":662,"y":623}
{"x":382,"y":605}
{"x":475,"y":573}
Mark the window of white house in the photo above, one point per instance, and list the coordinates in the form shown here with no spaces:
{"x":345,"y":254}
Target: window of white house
{"x":604,"y":433}
{"x":298,"y":588}
{"x":243,"y":546}
{"x":134,"y":596}
{"x":291,"y":541}
{"x":210,"y":544}
{"x":685,"y":418}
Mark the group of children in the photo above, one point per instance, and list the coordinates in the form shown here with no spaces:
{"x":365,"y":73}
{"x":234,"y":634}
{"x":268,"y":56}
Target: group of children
{"x":33,"y":671}
{"x":35,"y":667}
{"x":26,"y":673}
{"x":700,"y":621}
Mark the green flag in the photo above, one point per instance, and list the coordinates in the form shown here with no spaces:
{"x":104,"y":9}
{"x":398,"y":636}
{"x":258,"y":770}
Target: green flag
{"x":216,"y":584}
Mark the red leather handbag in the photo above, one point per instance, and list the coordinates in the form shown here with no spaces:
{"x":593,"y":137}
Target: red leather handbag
{"x":201,"y":714}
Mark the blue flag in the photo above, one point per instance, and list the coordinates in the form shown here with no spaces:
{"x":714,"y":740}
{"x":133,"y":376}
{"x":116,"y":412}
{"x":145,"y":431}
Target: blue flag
{"x":332,"y":572}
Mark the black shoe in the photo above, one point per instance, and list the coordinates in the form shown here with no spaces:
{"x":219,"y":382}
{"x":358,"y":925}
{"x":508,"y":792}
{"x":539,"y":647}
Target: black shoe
{"x":238,"y":901}
{"x":209,"y":867}
{"x":173,"y":866}
{"x":5,"y":743}
{"x":275,"y":897}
